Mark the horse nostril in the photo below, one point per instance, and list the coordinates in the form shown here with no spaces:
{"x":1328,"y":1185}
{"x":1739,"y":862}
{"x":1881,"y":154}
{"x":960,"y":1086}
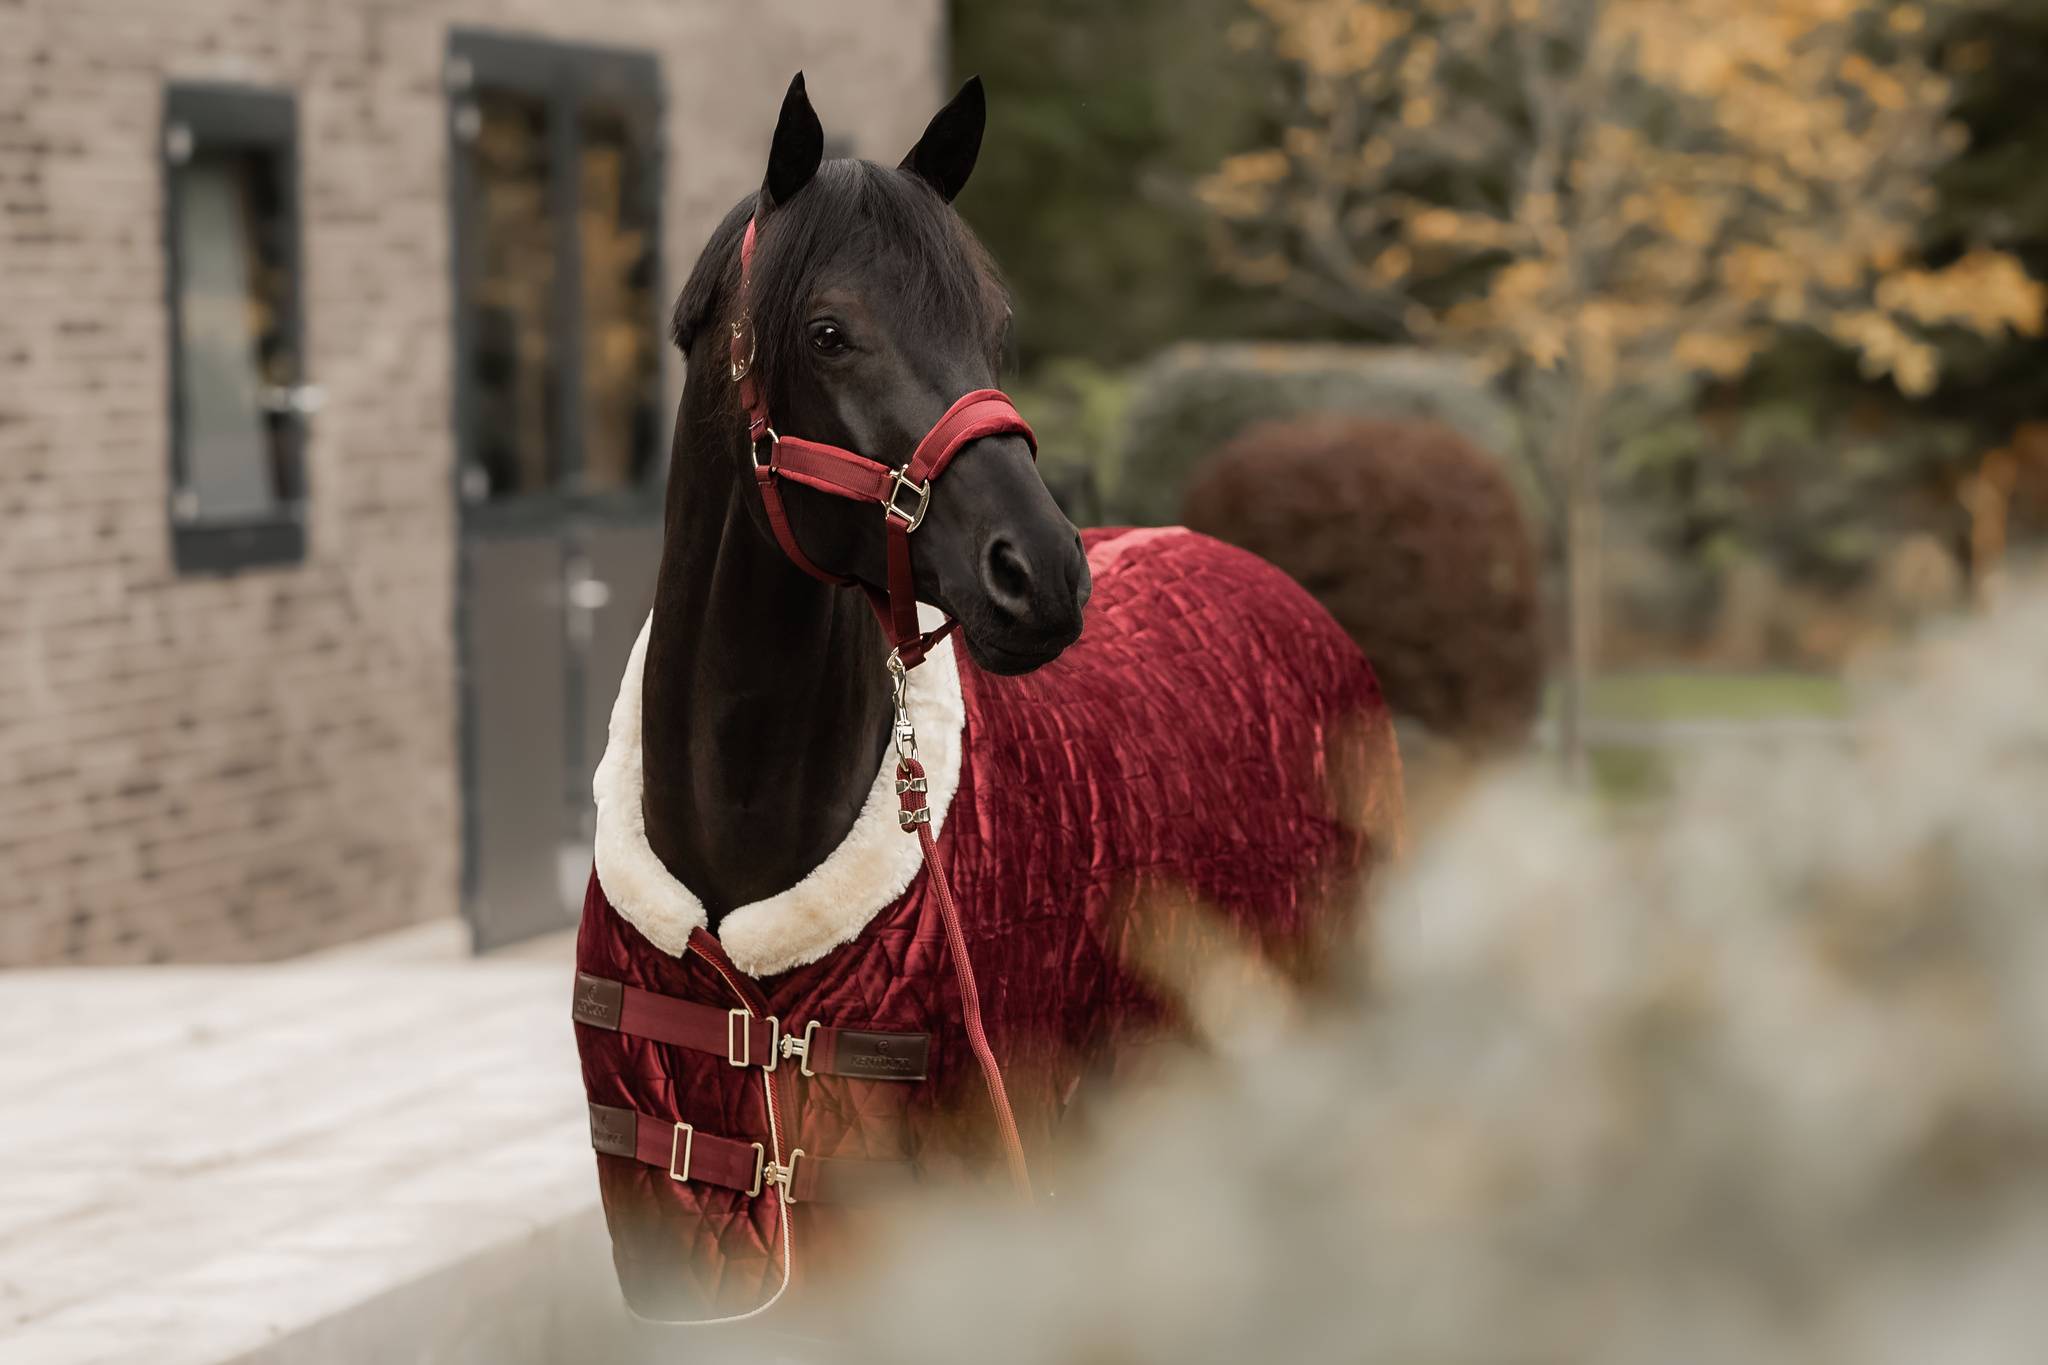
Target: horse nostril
{"x":1007,"y":576}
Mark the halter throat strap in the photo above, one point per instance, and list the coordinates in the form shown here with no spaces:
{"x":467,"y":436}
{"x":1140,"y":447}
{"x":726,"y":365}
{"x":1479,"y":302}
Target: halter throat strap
{"x":903,"y":494}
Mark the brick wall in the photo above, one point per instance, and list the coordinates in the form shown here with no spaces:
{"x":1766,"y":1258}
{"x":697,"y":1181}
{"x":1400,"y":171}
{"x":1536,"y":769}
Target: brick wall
{"x":239,"y":768}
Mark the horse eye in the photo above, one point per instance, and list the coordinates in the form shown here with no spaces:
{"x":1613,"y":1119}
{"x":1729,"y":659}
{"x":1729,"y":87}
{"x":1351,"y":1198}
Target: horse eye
{"x":827,"y":338}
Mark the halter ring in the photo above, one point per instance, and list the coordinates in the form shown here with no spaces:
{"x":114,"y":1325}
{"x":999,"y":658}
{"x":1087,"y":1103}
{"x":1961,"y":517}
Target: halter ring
{"x":911,"y":518}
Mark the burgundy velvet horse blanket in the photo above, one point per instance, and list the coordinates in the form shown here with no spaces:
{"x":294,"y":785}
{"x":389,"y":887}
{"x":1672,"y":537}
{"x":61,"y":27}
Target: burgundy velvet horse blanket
{"x":1212,"y":756}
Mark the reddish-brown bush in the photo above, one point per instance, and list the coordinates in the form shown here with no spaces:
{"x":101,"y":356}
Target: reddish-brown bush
{"x":1413,"y":539}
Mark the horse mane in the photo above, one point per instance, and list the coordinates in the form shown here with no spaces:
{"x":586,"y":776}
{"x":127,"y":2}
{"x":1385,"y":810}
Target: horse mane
{"x":850,"y":209}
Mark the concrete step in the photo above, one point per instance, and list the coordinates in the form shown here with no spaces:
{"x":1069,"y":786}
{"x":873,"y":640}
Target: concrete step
{"x":379,"y":1156}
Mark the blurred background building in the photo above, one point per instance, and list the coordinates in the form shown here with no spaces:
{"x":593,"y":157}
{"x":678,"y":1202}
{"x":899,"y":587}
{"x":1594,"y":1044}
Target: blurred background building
{"x":334,"y":405}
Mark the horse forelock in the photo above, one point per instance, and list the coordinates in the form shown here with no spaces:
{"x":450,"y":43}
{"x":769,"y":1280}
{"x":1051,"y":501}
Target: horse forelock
{"x":875,"y":222}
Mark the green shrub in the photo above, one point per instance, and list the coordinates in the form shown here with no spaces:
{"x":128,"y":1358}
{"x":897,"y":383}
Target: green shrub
{"x":1187,"y":402}
{"x":1076,"y":408}
{"x":1415,"y":541}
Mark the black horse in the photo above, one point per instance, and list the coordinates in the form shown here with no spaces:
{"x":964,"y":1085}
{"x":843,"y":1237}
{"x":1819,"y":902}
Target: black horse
{"x":767,"y":704}
{"x":776,"y":998}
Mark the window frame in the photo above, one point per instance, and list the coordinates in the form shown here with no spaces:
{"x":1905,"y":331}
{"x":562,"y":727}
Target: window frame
{"x":218,"y":115}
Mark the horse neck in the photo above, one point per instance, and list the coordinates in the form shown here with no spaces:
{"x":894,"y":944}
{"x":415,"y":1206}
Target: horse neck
{"x":765,"y":703}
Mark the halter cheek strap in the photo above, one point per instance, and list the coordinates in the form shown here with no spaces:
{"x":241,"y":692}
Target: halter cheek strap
{"x":904,"y":495}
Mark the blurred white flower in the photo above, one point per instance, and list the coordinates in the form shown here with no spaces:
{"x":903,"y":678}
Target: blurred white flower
{"x":1762,"y":1078}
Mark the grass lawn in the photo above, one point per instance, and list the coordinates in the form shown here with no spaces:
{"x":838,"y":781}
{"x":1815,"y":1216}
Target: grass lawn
{"x":1629,"y":773}
{"x":1707,"y":695}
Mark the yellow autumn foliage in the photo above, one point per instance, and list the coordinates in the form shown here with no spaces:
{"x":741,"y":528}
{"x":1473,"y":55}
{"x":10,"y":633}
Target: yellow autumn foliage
{"x":1685,"y":175}
{"x":1985,"y":291}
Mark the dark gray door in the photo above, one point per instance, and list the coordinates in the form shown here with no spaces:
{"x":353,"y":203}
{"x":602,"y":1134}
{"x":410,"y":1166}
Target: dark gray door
{"x":556,"y":175}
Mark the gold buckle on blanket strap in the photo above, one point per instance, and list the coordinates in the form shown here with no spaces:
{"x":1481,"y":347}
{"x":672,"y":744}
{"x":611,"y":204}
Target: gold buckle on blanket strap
{"x":781,"y":1176}
{"x":739,"y":1039}
{"x":800,"y":1048}
{"x":683,"y":1139}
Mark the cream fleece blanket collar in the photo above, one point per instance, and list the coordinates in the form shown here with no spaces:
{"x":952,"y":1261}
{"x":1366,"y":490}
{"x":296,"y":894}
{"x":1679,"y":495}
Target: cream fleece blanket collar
{"x":870,"y":869}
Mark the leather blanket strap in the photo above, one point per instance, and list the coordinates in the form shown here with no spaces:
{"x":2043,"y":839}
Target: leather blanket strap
{"x":688,"y":1153}
{"x":746,"y":1039}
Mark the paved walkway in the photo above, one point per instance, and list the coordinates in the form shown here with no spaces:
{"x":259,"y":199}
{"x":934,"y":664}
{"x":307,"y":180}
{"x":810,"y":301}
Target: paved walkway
{"x":378,"y":1154}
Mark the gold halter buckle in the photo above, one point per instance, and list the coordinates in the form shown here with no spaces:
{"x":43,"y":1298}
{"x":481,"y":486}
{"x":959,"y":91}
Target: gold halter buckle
{"x":912,"y":518}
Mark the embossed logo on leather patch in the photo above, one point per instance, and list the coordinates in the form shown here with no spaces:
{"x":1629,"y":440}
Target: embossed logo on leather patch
{"x":612,"y":1130}
{"x":882,"y":1056}
{"x":597,"y":1001}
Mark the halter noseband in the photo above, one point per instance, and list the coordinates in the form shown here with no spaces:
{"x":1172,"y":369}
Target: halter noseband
{"x":904,"y":495}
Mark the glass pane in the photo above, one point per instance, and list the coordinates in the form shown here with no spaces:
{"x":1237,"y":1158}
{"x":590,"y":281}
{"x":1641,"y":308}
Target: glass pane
{"x":234,"y":341}
{"x":511,"y":255}
{"x":621,"y":364}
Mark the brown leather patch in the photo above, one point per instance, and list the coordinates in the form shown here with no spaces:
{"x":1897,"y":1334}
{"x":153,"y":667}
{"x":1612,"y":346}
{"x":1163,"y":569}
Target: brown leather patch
{"x":615,"y":1132}
{"x":882,"y":1056}
{"x":597,"y":1001}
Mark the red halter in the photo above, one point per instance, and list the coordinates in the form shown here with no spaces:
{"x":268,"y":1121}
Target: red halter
{"x":903,"y":494}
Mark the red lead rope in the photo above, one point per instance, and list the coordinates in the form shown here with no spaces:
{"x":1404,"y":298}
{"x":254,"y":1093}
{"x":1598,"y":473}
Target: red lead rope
{"x":910,"y":782}
{"x":970,"y":1014}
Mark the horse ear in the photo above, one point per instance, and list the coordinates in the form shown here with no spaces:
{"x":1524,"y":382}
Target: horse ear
{"x":798,"y":147}
{"x":944,"y":156}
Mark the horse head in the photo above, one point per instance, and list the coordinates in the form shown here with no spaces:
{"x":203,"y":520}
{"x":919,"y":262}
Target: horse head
{"x":868,"y":308}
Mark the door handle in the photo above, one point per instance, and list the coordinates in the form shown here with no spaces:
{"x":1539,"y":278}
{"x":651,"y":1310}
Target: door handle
{"x":293,"y":400}
{"x":584,"y":595}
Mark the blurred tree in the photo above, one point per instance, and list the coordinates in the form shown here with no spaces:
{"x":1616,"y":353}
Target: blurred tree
{"x":1604,"y":196}
{"x":1100,"y":119}
{"x":1995,"y":193}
